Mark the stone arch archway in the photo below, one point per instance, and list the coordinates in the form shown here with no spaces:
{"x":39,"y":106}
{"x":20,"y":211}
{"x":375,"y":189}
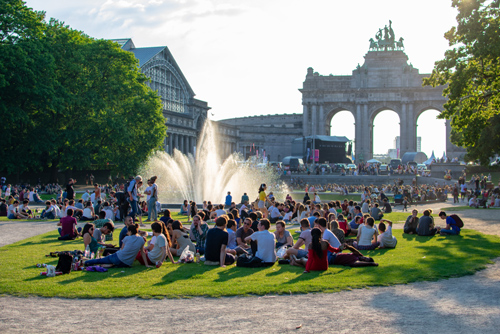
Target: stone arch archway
{"x":329,"y":116}
{"x":371,"y":127}
{"x":386,"y":80}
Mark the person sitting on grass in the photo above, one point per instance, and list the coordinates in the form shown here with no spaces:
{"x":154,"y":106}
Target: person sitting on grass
{"x":199,"y":230}
{"x":338,"y":232}
{"x":385,"y":238}
{"x":166,"y":217}
{"x":88,"y":238}
{"x":376,"y":213}
{"x":215,"y":248}
{"x":132,"y":244}
{"x":25,"y":209}
{"x":283,"y":237}
{"x":387,"y":205}
{"x":100,"y":235}
{"x":241,"y":234}
{"x":318,"y":249}
{"x":185,"y":208}
{"x":295,"y":253}
{"x":426,"y":224}
{"x":411,"y":223}
{"x":367,"y":236}
{"x":88,"y":212}
{"x":353,"y":259}
{"x":76,"y":212}
{"x":68,"y":229}
{"x":181,"y":239}
{"x":265,"y":254}
{"x":344,"y":226}
{"x":13,"y":213}
{"x":451,"y":225}
{"x":123,"y":233}
{"x":4,"y":207}
{"x":161,"y":248}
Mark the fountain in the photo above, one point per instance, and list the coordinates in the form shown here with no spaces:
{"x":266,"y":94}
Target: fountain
{"x":184,"y":177}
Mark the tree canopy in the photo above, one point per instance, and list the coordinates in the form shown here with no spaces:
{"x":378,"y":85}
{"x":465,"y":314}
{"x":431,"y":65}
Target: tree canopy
{"x":68,"y":101}
{"x":471,"y":71}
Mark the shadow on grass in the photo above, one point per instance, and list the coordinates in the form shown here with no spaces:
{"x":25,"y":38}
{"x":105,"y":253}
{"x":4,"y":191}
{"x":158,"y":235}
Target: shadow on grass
{"x":185,"y":272}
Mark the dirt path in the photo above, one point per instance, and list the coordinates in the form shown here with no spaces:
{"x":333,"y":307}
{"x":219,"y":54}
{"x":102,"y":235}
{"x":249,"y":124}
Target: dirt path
{"x":469,"y":304}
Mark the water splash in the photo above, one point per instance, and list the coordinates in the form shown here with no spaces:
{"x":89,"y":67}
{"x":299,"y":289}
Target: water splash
{"x":182,"y":177}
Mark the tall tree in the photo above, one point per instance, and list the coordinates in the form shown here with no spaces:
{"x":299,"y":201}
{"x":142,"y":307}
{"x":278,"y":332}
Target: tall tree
{"x":72,"y":102}
{"x":471,"y":71}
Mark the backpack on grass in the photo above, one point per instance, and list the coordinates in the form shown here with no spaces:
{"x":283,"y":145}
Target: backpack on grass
{"x":457,"y":220}
{"x":65,"y":262}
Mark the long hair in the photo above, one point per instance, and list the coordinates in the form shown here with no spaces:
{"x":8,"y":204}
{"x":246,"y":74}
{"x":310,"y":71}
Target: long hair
{"x":316,"y":242}
{"x":159,"y":227}
{"x":87,"y":228}
{"x":261,"y":188}
{"x":133,"y":228}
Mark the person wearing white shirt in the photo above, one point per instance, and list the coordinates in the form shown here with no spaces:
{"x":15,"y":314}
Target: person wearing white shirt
{"x":220,"y":211}
{"x":386,"y":239}
{"x":266,"y":242}
{"x":86,"y":196}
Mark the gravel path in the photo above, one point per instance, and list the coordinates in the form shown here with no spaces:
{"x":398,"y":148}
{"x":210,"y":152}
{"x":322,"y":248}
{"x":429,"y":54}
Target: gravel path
{"x":458,"y":305}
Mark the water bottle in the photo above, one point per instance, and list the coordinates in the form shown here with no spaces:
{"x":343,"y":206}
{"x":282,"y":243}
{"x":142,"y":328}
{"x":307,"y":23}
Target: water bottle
{"x":197,"y":256}
{"x":87,"y":251}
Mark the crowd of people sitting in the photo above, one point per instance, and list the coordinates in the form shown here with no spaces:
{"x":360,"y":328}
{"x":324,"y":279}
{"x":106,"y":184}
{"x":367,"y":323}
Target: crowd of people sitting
{"x":242,"y":234}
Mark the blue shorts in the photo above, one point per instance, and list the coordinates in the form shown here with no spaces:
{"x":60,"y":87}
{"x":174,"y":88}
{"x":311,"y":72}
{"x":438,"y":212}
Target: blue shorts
{"x":301,"y":253}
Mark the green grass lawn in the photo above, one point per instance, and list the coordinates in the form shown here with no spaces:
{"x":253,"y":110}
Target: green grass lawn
{"x":415,"y":259}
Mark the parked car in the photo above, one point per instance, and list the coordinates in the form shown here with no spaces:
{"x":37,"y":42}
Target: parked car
{"x":383,"y":169}
{"x":293,"y":164}
{"x":351,"y":166}
{"x":395,"y":163}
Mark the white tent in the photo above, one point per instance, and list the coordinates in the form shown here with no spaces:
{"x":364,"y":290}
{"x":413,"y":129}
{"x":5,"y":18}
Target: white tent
{"x":429,"y":161}
{"x":373,"y":161}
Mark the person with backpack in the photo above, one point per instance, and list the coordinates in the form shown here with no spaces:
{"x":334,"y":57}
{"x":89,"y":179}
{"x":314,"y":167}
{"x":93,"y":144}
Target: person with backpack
{"x":453,"y":224}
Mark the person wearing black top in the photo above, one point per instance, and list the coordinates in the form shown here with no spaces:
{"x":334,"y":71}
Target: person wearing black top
{"x":70,"y":192}
{"x":306,"y":198}
{"x":216,"y":243}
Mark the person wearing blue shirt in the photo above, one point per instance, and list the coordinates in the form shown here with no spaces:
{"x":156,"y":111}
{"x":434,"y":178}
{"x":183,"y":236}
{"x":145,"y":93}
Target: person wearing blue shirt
{"x":229,"y":199}
{"x":357,"y":212}
{"x":451,"y":225}
{"x":123,"y":233}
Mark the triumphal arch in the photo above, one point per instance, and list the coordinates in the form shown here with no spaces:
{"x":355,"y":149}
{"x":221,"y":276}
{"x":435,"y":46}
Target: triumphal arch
{"x":386,"y":81}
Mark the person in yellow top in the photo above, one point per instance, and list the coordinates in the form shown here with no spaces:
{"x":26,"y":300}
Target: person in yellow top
{"x":262,"y":200}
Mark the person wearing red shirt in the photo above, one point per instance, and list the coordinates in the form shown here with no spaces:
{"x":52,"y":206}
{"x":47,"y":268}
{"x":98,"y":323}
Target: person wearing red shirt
{"x":68,"y":224}
{"x":318,"y":252}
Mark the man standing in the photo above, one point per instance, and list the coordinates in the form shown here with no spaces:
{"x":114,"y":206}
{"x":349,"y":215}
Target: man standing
{"x":70,"y":192}
{"x":132,"y":194}
{"x":216,"y":243}
{"x":229,"y":199}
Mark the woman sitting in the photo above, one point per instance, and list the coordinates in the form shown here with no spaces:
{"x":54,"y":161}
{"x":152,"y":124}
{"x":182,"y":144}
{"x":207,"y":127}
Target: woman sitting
{"x":181,"y":239}
{"x":88,"y":212}
{"x":318,"y":252}
{"x":184,"y":208}
{"x":283,"y":237}
{"x":161,"y":246}
{"x":132,"y":244}
{"x":367,"y":236}
{"x":88,"y":238}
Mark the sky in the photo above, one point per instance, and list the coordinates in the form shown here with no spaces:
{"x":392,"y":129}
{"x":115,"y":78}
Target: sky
{"x":250,"y":57}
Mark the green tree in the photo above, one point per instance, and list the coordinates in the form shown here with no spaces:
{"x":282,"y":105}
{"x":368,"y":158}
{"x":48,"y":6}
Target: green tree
{"x":471,"y":71}
{"x":71,"y":102}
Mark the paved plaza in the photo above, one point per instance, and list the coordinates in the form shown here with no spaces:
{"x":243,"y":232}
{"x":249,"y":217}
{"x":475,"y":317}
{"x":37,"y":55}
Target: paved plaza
{"x":469,"y":304}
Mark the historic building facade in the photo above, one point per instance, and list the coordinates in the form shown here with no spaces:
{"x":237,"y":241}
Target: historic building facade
{"x":184,"y":115}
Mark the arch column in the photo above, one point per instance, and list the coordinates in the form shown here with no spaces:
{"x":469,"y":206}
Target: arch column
{"x":314,"y":124}
{"x":321,"y":122}
{"x":305,"y":119}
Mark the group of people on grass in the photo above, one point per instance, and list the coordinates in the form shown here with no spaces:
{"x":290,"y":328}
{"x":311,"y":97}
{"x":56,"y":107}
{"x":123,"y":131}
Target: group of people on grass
{"x":243,"y":235}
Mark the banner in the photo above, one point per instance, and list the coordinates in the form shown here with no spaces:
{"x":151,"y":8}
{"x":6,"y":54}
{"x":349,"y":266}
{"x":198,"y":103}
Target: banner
{"x":316,"y":155}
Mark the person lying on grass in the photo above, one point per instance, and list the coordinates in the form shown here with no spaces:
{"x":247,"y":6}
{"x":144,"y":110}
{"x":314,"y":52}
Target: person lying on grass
{"x":318,"y":252}
{"x":132,"y":244}
{"x":385,"y":238}
{"x":161,"y":248}
{"x":353,"y":259}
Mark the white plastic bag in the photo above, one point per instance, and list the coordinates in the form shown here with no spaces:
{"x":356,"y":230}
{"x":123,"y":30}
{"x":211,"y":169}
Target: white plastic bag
{"x":186,"y":256}
{"x":281,"y":252}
